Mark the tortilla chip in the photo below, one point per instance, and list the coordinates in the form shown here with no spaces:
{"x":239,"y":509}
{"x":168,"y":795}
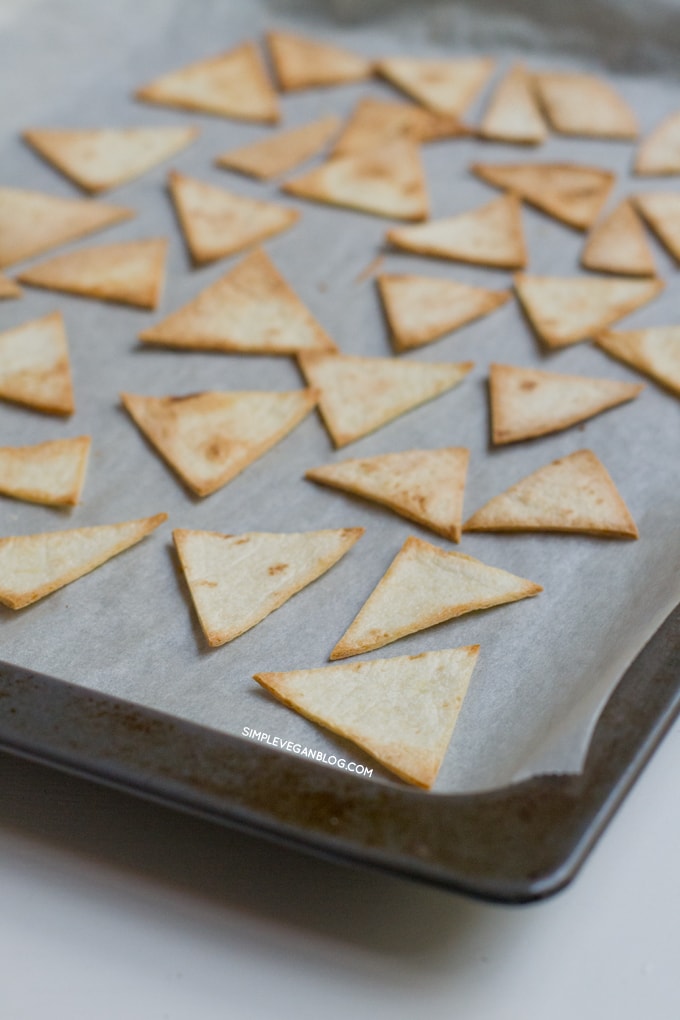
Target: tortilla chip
{"x":232,"y":84}
{"x":216,"y":222}
{"x":443,"y":86}
{"x":279,"y":153}
{"x":34,"y":366}
{"x":425,"y":486}
{"x":420,"y":309}
{"x":209,"y":438}
{"x":128,"y":273}
{"x":8,"y":288}
{"x":33,"y":566}
{"x":572,"y":194}
{"x":403,"y":710}
{"x":358,"y":395}
{"x":424,"y":586}
{"x":51,"y":473}
{"x":513,"y":114}
{"x":654,"y":351}
{"x":583,"y":104}
{"x":97,"y":160}
{"x":32,"y":223}
{"x":301,"y":63}
{"x":235,"y":581}
{"x":251,"y":309}
{"x":388,"y":181}
{"x":572,"y":494}
{"x":490,"y":235}
{"x":618,"y":244}
{"x":526,"y":402}
{"x":661,"y":210}
{"x":659,"y":153}
{"x":378,"y":122}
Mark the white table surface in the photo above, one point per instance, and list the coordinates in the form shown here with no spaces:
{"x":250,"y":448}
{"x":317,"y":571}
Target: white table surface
{"x":114,"y":908}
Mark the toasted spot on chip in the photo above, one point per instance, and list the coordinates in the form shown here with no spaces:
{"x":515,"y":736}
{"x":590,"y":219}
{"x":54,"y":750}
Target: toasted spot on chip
{"x":584,"y":104}
{"x":618,"y":244}
{"x":52,"y":472}
{"x":276,"y":154}
{"x":443,"y":86}
{"x":513,"y":114}
{"x":302,"y":63}
{"x":377,"y":122}
{"x":8,"y":288}
{"x":654,"y":351}
{"x":34,"y":366}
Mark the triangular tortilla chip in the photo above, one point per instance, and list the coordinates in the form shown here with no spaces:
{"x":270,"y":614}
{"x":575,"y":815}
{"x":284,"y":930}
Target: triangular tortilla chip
{"x":513,"y":114}
{"x":573,"y":494}
{"x":233,"y":84}
{"x":572,"y":194}
{"x":403,"y":710}
{"x":216,"y":222}
{"x":106,"y":158}
{"x":444,"y":86}
{"x":51,"y":473}
{"x":129,"y":273}
{"x":8,"y":288}
{"x":388,"y":181}
{"x":583,"y":104}
{"x":251,"y":309}
{"x":358,"y":395}
{"x":661,"y":210}
{"x":31,"y":222}
{"x":377,"y":122}
{"x":301,"y":63}
{"x":423,"y":586}
{"x":526,"y":402}
{"x":34,"y":366}
{"x":490,"y":235}
{"x":618,"y":244}
{"x":420,"y":309}
{"x":567,"y":309}
{"x":654,"y":351}
{"x":209,"y":438}
{"x":277,"y":154}
{"x":659,"y":153}
{"x":236,"y":581}
{"x":425,"y":486}
{"x":32,"y":566}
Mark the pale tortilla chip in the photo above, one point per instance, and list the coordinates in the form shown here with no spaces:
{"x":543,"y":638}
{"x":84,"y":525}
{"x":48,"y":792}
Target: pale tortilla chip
{"x":565,"y":310}
{"x":572,"y":194}
{"x":235,"y":581}
{"x":387,"y":181}
{"x":301,"y":63}
{"x":32,"y":566}
{"x":209,"y":438}
{"x":659,"y":153}
{"x":444,"y":86}
{"x":527,"y":402}
{"x":32,"y":222}
{"x":572,"y":494}
{"x":52,"y":473}
{"x":403,"y":710}
{"x":251,"y":309}
{"x":425,"y":486}
{"x":425,"y":585}
{"x":490,"y":235}
{"x":128,"y":273}
{"x":8,"y":288}
{"x":654,"y":351}
{"x":233,"y":84}
{"x":583,"y":104}
{"x":358,"y":395}
{"x":513,"y":114}
{"x":34,"y":366}
{"x":279,"y":153}
{"x":216,"y":222}
{"x":618,"y":244}
{"x":99,"y":159}
{"x":661,"y":210}
{"x":378,"y":122}
{"x":420,"y":309}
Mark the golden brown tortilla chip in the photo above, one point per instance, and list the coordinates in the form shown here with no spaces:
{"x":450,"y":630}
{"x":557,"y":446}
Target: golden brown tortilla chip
{"x":443,"y":86}
{"x":661,"y":210}
{"x":654,"y":351}
{"x":659,"y":152}
{"x":8,"y":288}
{"x":401,"y":710}
{"x":301,"y":63}
{"x":277,"y":154}
{"x":618,"y":244}
{"x":51,"y":473}
{"x":34,"y":366}
{"x":573,"y":494}
{"x":513,"y":114}
{"x":377,"y":122}
{"x":584,"y":104}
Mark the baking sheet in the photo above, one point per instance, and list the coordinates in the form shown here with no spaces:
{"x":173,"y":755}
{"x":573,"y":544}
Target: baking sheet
{"x":547,"y":664}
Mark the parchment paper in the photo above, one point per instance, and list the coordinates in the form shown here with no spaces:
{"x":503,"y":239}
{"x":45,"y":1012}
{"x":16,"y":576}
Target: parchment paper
{"x":547,"y":664}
